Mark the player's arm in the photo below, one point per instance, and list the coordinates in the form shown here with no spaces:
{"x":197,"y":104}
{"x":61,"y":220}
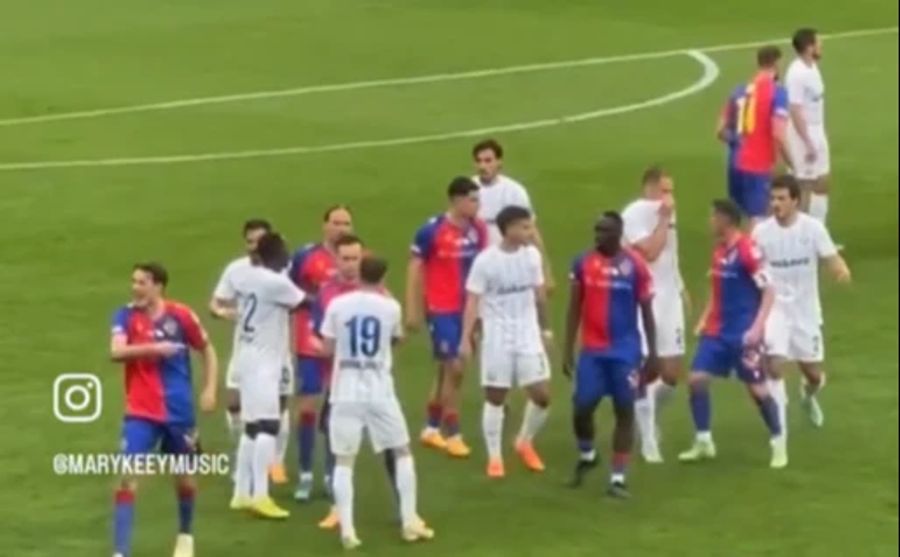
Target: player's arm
{"x":538,"y":240}
{"x":722,"y":124}
{"x":543,"y":311}
{"x":838,"y":268}
{"x":222,"y":303}
{"x":651,"y":245}
{"x":121,"y":351}
{"x":197,"y":339}
{"x":415,"y":298}
{"x":795,"y":110}
{"x":701,"y":321}
{"x":573,"y":318}
{"x":827,"y":251}
{"x":781,"y":113}
{"x":755,"y":265}
{"x":470,"y":319}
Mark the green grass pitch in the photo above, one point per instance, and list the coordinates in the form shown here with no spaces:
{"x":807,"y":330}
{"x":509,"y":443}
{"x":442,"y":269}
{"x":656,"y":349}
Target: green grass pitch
{"x":68,"y":237}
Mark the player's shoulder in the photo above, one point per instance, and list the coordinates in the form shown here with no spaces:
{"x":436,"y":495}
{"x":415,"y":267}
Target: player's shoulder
{"x":511,"y":183}
{"x":763,"y":228}
{"x":306,"y":250}
{"x":811,"y":224}
{"x":640,"y":209}
{"x":237,"y":264}
{"x":180,"y":311}
{"x":797,"y":69}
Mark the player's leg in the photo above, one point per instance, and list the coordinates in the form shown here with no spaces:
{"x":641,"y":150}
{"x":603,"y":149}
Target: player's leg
{"x":818,"y":199}
{"x":621,"y":381}
{"x":309,"y":389}
{"x":496,"y":380}
{"x":586,"y":395}
{"x":182,"y":441}
{"x":139,"y":436}
{"x":809,"y":352}
{"x":750,"y":365}
{"x":233,"y":406}
{"x":778,"y":335}
{"x":278,"y":474}
{"x":262,"y":411}
{"x":756,"y":197}
{"x":533,"y":374}
{"x":711,"y":359}
{"x":431,"y":434}
{"x":345,"y":430}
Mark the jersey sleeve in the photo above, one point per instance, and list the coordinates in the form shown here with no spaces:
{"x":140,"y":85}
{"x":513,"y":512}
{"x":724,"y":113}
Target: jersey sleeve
{"x":476,"y":283}
{"x":397,"y":329}
{"x":120,"y":321}
{"x":297,"y":265}
{"x":637,"y":227}
{"x":329,"y":328}
{"x":522,"y":199}
{"x":285,"y":293}
{"x":643,"y":279}
{"x":224,"y":288}
{"x":779,"y":102}
{"x":194,"y":334}
{"x":824,"y":244}
{"x":423,"y":242}
{"x":754,"y":263}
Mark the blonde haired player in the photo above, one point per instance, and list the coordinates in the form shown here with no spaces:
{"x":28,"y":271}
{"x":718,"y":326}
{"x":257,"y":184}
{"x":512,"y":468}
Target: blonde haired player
{"x":506,"y":289}
{"x":793,"y":243}
{"x":358,"y":331}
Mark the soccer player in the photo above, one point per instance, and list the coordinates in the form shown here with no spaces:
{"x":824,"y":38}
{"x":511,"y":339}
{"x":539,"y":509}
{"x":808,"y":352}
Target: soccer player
{"x":753,"y":122}
{"x":731,"y":329}
{"x":267,"y":297}
{"x":499,"y":191}
{"x":506,"y":290}
{"x":650,"y":231}
{"x":223,"y":305}
{"x":793,"y":243}
{"x":442,"y":253}
{"x":807,"y":142}
{"x":358,"y":330}
{"x":152,"y":336}
{"x":310,"y":267}
{"x":610,"y":286}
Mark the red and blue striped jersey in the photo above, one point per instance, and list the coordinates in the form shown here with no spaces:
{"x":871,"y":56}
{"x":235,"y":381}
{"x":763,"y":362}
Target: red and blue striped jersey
{"x":160,"y":389}
{"x":738,"y":275}
{"x":749,"y":115}
{"x":447,"y":252}
{"x":612,"y":289}
{"x":311,"y":266}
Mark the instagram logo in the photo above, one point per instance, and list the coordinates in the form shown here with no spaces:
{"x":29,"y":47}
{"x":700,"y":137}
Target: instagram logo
{"x":77,"y":398}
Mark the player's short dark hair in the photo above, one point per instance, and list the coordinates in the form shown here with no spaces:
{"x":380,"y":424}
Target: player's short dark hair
{"x":372,"y":269}
{"x":804,"y":38}
{"x":653,"y":175}
{"x":461,"y":187}
{"x":331,"y":210}
{"x":488,"y":145}
{"x":257,"y":224}
{"x":615,"y":216}
{"x":347,"y":240}
{"x":768,"y":56}
{"x":158,"y":273}
{"x":272,"y":251}
{"x":789,"y":183}
{"x":510,"y":215}
{"x":728,"y":209}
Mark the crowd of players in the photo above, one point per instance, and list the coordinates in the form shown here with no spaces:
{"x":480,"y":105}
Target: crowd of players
{"x":479,"y":277}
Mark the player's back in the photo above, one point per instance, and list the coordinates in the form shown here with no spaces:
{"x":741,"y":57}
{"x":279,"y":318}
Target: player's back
{"x":754,"y":106}
{"x":493,"y":198}
{"x":267,"y":297}
{"x":737,"y":272}
{"x":311,"y":266}
{"x":363,"y":324}
{"x":805,"y":87}
{"x":641,"y":217}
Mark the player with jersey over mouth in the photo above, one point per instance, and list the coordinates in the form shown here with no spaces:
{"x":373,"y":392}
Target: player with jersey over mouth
{"x":732,"y":328}
{"x":610,"y":286}
{"x":152,"y":336}
{"x":267,"y":297}
{"x":793,"y":243}
{"x":441,"y":256}
{"x":506,"y":290}
{"x":358,"y":331}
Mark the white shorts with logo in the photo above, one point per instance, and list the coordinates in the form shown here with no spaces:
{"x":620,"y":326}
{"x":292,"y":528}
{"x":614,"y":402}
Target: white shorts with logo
{"x":233,"y":376}
{"x":793,"y":340}
{"x":383,"y":420}
{"x":668,"y":313}
{"x":801,"y":169}
{"x":505,"y":367}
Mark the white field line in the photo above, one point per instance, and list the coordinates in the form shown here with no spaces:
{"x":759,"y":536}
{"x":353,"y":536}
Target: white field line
{"x":415,"y":80}
{"x":710,"y":74}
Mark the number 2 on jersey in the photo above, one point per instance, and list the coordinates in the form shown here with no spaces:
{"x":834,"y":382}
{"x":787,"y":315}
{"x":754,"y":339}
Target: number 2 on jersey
{"x":746,"y":111}
{"x":249,"y":311}
{"x":365,"y":335}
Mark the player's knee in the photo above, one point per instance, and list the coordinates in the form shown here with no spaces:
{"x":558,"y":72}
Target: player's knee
{"x":251,"y":429}
{"x":624,"y":412}
{"x":759,"y":391}
{"x":698,"y":381}
{"x":185,"y":484}
{"x":495,"y":396}
{"x":269,"y":427}
{"x":540,"y":397}
{"x":345,"y":460}
{"x":583,"y":422}
{"x":128,"y":484}
{"x":233,"y":402}
{"x":306,"y":403}
{"x":399,"y":452}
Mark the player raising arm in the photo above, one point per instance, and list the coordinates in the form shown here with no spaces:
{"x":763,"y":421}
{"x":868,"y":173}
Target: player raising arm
{"x":358,"y":330}
{"x":506,"y":289}
{"x":152,"y":337}
{"x":610,"y":285}
{"x":793,"y":243}
{"x":732,"y":330}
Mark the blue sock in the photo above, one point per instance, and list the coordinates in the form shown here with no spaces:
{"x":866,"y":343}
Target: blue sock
{"x":185,"y":509}
{"x":768,"y":408}
{"x":585,"y":447}
{"x":123,"y":521}
{"x":390,"y":466}
{"x":701,"y":407}
{"x":329,"y":458}
{"x":306,"y":440}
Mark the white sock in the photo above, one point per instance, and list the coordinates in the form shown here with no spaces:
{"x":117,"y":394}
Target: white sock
{"x":263,"y":453}
{"x":645,"y":416}
{"x":533,"y":420}
{"x":662,"y":392}
{"x":243,"y":482}
{"x":406,"y":489}
{"x":704,"y":437}
{"x":492,"y":427}
{"x":818,"y":206}
{"x":284,"y":434}
{"x":779,"y":394}
{"x":342,"y":485}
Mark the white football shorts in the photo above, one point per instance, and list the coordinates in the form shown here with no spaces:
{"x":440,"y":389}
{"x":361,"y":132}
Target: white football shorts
{"x":793,"y":340}
{"x":668,"y":313}
{"x":383,"y":420}
{"x":505,"y":368}
{"x":801,"y":169}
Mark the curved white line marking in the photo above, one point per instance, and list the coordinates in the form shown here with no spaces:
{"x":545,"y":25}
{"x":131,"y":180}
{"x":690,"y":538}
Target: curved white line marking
{"x":416,"y":80}
{"x":710,"y":74}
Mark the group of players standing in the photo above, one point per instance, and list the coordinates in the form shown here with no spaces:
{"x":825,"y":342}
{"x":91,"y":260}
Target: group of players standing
{"x":479,"y":275}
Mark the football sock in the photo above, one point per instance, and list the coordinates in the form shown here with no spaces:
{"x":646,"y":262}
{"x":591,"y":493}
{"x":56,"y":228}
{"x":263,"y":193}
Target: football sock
{"x":532,"y":421}
{"x":619,"y":467}
{"x":185,"y":509}
{"x":343,"y":498}
{"x":818,"y":206}
{"x":435,"y":412}
{"x":123,"y":523}
{"x":586,"y":451}
{"x":644,"y":414}
{"x":768,"y":408}
{"x":306,"y":440}
{"x":492,"y":427}
{"x":451,"y":423}
{"x":284,"y":433}
{"x":243,"y":485}
{"x":263,"y":453}
{"x":701,"y":409}
{"x":779,"y":394}
{"x":406,"y":489}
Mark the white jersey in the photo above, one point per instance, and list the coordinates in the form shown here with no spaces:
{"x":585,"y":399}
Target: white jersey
{"x":266,"y":299}
{"x":506,"y":282}
{"x":641,"y":218}
{"x":496,"y":196}
{"x":806,"y":88}
{"x":363,"y":325}
{"x":792,"y":254}
{"x":226,"y":291}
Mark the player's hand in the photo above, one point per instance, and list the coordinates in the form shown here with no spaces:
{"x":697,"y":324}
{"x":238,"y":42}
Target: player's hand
{"x":843,"y":276}
{"x":167,"y":349}
{"x":667,"y":207}
{"x":549,"y":285}
{"x":698,"y":328}
{"x":208,"y":399}
{"x":228,"y":314}
{"x":466,"y":349}
{"x":547,"y":337}
{"x":315,"y":344}
{"x":651,"y":366}
{"x":414,"y":322}
{"x":753,"y":336}
{"x":811,"y":154}
{"x":567,"y":366}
